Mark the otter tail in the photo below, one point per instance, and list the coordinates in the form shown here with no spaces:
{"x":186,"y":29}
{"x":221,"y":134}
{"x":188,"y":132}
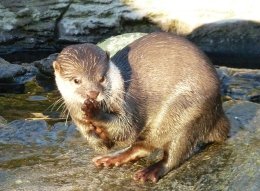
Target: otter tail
{"x":220,"y":132}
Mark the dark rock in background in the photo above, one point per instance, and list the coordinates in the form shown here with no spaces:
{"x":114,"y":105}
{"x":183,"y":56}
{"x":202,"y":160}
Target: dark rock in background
{"x":14,"y":76}
{"x":233,"y":43}
{"x":28,"y":27}
{"x":94,"y":21}
{"x":8,"y":72}
{"x":31,"y":30}
{"x":45,"y":65}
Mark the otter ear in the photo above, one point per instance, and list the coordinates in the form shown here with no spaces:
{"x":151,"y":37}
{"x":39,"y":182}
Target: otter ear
{"x":56,"y":66}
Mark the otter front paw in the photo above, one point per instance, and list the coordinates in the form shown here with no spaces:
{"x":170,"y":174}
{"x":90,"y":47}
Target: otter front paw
{"x":115,"y":159}
{"x":98,"y":139}
{"x":90,"y":108}
{"x":100,"y":132}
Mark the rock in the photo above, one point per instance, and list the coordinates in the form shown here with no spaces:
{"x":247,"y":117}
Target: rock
{"x":228,"y":34}
{"x":13,"y":76}
{"x":236,"y":162}
{"x":116,"y":43}
{"x":31,"y":30}
{"x":45,"y":77}
{"x":8,"y":71}
{"x":93,"y":21}
{"x":36,"y":133}
{"x":244,"y":117}
{"x":24,"y":132}
{"x":230,"y":43}
{"x":45,"y":65}
{"x":240,"y":84}
{"x":9,"y":74}
{"x":28,"y":27}
{"x":37,"y":157}
{"x":185,"y":16}
{"x":31,"y":72}
{"x":2,"y":61}
{"x":7,"y":19}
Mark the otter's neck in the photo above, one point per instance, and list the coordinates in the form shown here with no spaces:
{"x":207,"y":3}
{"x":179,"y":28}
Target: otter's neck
{"x":116,"y":84}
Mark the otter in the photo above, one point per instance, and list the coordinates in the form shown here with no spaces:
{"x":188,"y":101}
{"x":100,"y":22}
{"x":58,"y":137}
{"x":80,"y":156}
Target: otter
{"x":159,"y":92}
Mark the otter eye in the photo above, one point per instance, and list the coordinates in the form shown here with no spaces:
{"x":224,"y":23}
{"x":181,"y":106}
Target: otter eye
{"x":102,"y":79}
{"x":77,"y":81}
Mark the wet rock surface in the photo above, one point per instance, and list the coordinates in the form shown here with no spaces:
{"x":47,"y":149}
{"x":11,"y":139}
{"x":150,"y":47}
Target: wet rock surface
{"x":38,"y":156}
{"x":240,"y":84}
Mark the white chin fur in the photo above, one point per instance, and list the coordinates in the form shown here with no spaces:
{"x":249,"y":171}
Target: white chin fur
{"x":68,"y":93}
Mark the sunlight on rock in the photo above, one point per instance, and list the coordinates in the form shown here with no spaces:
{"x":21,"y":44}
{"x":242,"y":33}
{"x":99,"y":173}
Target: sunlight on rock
{"x":195,"y":13}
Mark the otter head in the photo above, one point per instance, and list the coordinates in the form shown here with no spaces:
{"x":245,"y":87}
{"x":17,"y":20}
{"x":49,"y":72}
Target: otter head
{"x":85,"y":71}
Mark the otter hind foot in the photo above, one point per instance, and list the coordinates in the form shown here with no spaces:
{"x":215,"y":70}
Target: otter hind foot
{"x":153,"y":173}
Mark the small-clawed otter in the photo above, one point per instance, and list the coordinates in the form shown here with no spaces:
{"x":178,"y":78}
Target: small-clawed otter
{"x":159,"y":92}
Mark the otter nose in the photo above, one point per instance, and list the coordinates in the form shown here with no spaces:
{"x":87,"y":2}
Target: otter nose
{"x":93,"y":94}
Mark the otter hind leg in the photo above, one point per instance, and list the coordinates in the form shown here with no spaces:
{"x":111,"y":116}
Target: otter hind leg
{"x":174,"y":154}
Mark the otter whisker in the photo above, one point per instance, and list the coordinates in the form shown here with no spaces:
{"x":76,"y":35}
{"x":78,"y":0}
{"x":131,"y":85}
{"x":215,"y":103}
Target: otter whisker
{"x":65,"y":109}
{"x":61,"y":105}
{"x":126,"y":93}
{"x":68,"y":114}
{"x":53,"y":105}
